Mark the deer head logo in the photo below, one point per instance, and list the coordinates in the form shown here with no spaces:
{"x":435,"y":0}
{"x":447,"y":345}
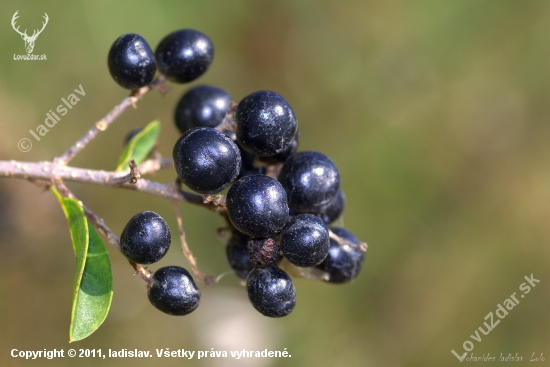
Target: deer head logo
{"x":29,"y":40}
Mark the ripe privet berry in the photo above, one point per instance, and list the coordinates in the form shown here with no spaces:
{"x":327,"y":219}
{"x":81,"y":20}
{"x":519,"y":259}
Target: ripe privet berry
{"x":263,"y":252}
{"x":184,"y":55}
{"x":257,"y":206}
{"x":271,"y":291}
{"x":343,"y":263}
{"x":311,"y":181}
{"x":236,"y":252}
{"x":334,"y":209}
{"x":206,"y":160}
{"x":266,"y":124}
{"x":281,"y":157}
{"x":131,"y":62}
{"x":173,"y":291}
{"x":146,"y":238}
{"x":202,"y":106}
{"x":305,"y":240}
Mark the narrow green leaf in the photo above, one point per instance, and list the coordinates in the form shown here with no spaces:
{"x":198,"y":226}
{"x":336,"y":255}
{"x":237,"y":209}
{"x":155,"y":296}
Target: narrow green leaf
{"x":139,"y":147}
{"x":93,"y":280}
{"x":78,"y":226}
{"x":93,"y":298}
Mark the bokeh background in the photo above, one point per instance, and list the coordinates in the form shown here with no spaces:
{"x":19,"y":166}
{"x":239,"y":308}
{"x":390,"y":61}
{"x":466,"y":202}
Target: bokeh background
{"x":436,"y":113}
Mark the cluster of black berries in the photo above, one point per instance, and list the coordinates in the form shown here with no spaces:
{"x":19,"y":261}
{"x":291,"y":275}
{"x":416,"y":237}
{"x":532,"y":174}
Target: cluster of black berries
{"x":279,"y":203}
{"x":182,"y":56}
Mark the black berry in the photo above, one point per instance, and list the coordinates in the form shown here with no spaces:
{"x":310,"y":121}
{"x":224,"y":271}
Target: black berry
{"x":202,"y":106}
{"x":173,"y":291}
{"x":263,"y":252}
{"x":334,"y":209}
{"x":281,"y":157}
{"x":131,"y":62}
{"x":236,"y":252}
{"x":146,"y":238}
{"x":343,"y":262}
{"x":257,"y":205}
{"x":305,"y":240}
{"x":266,"y":124}
{"x":206,"y":160}
{"x":311,"y":181}
{"x":184,"y":55}
{"x":271,"y":291}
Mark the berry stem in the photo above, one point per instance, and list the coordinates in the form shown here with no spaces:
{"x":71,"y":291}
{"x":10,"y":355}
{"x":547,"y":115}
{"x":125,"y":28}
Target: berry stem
{"x":313,"y":273}
{"x":218,"y":200}
{"x":343,"y":242}
{"x":273,"y":171}
{"x":104,"y":123}
{"x":208,"y":280}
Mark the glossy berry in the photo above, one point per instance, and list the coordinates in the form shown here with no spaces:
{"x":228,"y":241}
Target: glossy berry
{"x":266,"y":124}
{"x":271,"y":291}
{"x":184,"y":55}
{"x":173,"y":291}
{"x":131,"y":62}
{"x":305,"y":240}
{"x":263,"y":252}
{"x":281,"y":157}
{"x":206,"y":160}
{"x":343,"y":263}
{"x":311,"y":181}
{"x":236,"y":252}
{"x":146,"y":238}
{"x":334,"y":209}
{"x":202,"y":106}
{"x":257,"y":206}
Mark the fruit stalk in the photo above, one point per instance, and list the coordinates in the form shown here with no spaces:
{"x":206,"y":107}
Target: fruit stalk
{"x":208,"y":280}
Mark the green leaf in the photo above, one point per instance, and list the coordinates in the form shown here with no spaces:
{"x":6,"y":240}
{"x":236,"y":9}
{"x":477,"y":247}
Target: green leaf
{"x":140,"y":146}
{"x":93,"y":280}
{"x":92,"y":299}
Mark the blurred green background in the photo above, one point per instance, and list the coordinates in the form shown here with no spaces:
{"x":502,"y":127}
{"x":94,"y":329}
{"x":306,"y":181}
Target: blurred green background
{"x":436,"y":113}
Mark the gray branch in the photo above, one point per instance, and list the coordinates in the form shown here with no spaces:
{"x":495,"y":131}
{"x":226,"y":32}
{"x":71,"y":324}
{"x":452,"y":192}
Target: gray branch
{"x":48,"y":171}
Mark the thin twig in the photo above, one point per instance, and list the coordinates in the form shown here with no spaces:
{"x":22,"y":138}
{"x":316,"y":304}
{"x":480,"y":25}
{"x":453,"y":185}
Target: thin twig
{"x":152,"y":166}
{"x":131,"y":177}
{"x":343,"y":242}
{"x":102,"y":228}
{"x":47,"y":171}
{"x":222,"y":275}
{"x":104,"y":123}
{"x":208,"y":280}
